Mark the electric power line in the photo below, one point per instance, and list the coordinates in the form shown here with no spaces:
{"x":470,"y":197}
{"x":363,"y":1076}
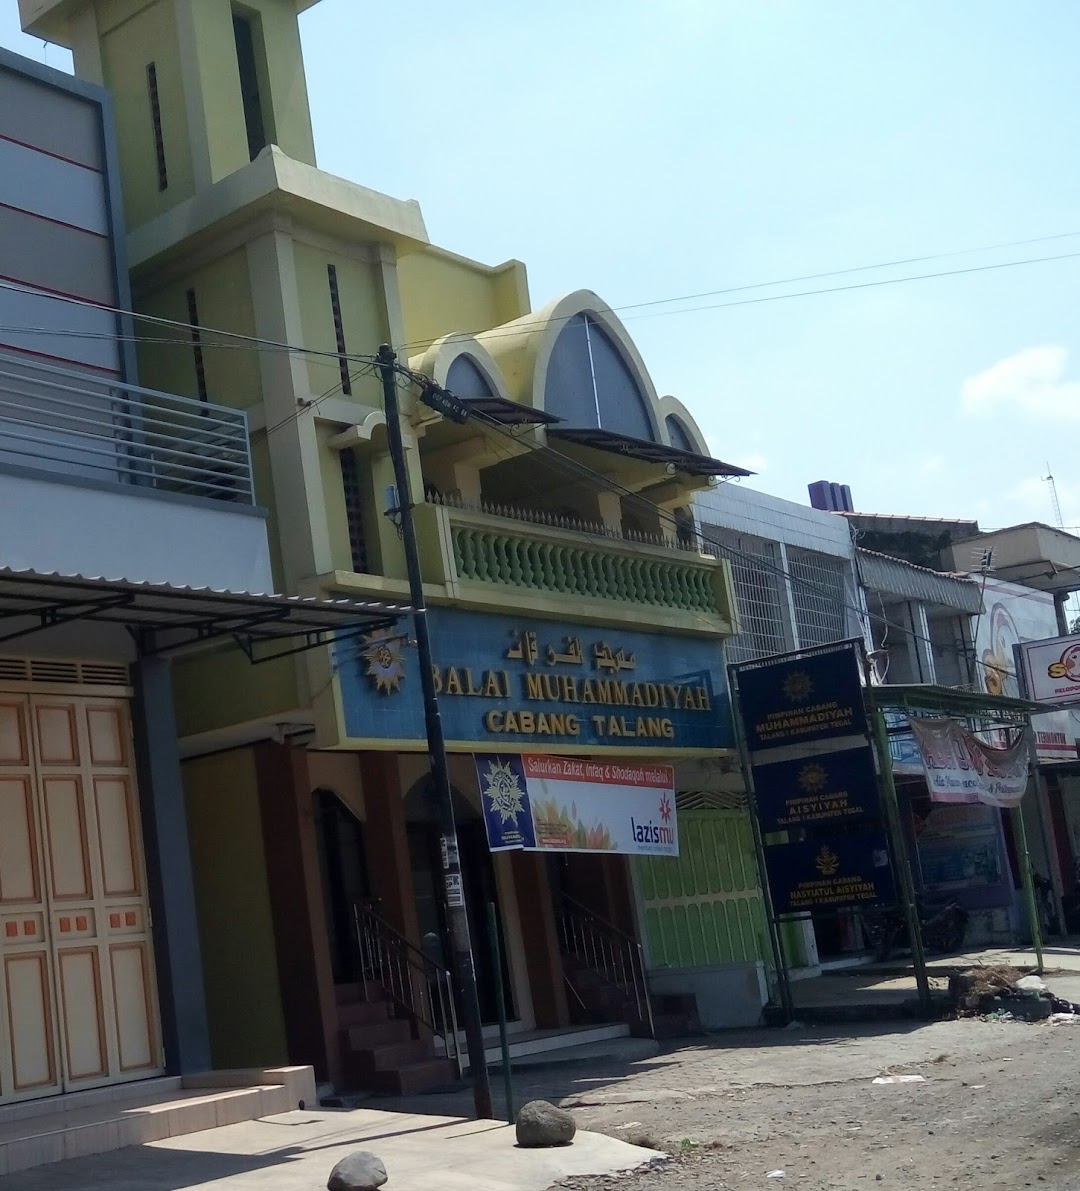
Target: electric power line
{"x":368,"y":360}
{"x":502,"y":332}
{"x":559,"y":461}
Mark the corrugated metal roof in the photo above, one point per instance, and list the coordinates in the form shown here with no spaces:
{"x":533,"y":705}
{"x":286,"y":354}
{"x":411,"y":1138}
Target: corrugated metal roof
{"x":184,"y":615}
{"x":895,"y":577}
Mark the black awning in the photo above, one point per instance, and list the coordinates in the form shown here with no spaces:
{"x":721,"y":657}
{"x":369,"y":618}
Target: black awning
{"x":509,"y":413}
{"x":167,"y":620}
{"x":649,"y":452}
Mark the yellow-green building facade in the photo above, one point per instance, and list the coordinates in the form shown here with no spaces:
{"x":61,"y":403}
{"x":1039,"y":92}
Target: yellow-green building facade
{"x":306,"y":776}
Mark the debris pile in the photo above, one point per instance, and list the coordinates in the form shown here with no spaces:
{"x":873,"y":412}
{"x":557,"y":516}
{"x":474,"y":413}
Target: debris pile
{"x":1005,"y":994}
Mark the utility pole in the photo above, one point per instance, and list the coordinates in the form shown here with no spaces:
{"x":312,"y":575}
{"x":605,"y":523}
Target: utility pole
{"x":461,"y":944}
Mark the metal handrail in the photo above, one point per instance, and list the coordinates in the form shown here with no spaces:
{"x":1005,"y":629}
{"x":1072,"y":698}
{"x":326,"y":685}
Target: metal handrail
{"x":615,"y":956}
{"x":546,"y":519}
{"x":417,"y":984}
{"x":67,"y":421}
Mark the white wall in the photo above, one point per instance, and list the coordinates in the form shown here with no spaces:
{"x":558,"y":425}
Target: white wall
{"x":122,"y":534}
{"x":734,"y":506}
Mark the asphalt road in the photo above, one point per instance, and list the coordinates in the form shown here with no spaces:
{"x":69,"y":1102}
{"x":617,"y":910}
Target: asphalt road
{"x":998,"y":1106}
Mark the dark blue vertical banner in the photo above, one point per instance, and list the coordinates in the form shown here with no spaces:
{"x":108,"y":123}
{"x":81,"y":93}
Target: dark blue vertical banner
{"x":504,"y":792}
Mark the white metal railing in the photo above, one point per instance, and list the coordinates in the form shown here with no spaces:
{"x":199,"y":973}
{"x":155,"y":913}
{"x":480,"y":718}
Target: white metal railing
{"x":418,"y":985}
{"x":72,"y":423}
{"x":615,"y":957}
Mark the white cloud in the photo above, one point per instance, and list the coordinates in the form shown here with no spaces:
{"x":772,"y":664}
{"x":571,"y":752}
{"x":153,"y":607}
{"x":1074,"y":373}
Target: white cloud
{"x":932,"y":464}
{"x":755,"y":462}
{"x":1031,"y":381}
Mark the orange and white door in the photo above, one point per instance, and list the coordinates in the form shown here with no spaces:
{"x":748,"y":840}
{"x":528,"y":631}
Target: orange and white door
{"x":78,"y":1005}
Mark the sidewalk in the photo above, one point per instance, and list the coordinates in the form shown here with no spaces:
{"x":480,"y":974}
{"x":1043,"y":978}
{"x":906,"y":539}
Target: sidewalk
{"x":296,"y":1151}
{"x":887,"y":990}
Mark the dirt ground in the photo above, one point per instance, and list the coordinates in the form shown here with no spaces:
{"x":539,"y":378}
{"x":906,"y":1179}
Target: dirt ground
{"x":997,"y":1108}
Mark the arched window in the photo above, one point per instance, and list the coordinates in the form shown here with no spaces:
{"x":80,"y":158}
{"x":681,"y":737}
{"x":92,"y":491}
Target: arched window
{"x":678,"y":434}
{"x":465,"y":379}
{"x":590,"y":385}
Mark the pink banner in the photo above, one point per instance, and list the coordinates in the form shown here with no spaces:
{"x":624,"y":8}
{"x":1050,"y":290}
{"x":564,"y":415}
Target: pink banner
{"x":961,"y":768}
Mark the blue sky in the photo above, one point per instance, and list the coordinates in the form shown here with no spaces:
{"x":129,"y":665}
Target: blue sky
{"x":648,"y":149}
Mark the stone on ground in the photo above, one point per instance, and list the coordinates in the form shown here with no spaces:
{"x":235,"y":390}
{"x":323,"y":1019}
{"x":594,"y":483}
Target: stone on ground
{"x":542,"y":1124}
{"x":361,"y":1171}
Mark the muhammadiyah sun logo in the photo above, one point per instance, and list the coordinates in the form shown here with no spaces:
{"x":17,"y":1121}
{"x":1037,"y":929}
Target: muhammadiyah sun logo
{"x":503,"y":791}
{"x":812,"y":777}
{"x":385,"y":664}
{"x":798,"y":686}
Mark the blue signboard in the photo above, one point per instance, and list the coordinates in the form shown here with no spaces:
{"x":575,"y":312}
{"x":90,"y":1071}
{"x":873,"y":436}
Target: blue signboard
{"x":844,"y":870}
{"x":818,"y":789}
{"x":511,"y":682}
{"x":794,"y":701}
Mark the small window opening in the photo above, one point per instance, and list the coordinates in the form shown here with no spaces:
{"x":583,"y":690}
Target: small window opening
{"x":354,"y":511}
{"x":339,"y":330}
{"x":196,"y":345}
{"x":155,"y":117}
{"x":246,"y":59}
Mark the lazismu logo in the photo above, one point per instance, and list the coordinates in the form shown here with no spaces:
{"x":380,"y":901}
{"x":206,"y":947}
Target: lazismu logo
{"x":651,"y":833}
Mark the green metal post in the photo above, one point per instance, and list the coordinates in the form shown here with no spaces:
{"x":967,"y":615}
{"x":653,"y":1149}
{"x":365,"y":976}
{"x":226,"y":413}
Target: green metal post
{"x":902,"y":859}
{"x":783,"y":984}
{"x":500,"y":1009}
{"x":1029,"y":884}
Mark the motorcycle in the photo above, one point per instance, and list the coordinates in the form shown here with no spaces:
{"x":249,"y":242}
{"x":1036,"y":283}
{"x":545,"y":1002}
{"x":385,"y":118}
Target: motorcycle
{"x":943,"y":927}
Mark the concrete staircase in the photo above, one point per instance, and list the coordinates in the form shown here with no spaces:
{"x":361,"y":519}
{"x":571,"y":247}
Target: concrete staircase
{"x":39,"y":1132}
{"x":383,"y":1052}
{"x":599,"y":1000}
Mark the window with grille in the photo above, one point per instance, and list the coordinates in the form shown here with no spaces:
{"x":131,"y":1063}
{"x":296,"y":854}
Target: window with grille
{"x":354,"y":511}
{"x":759,"y":589}
{"x":819,"y":595}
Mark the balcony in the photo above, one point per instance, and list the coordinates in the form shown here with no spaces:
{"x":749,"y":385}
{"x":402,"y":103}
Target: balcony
{"x":111,"y":479}
{"x":510,"y":558}
{"x":72,"y":423}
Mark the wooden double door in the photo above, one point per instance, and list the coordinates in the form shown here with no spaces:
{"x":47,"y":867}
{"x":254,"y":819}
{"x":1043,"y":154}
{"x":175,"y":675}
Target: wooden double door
{"x":78,"y":1005}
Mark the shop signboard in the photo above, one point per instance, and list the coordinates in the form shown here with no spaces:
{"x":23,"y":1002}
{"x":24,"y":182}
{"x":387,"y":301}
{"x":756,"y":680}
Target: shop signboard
{"x":1014,"y":615}
{"x":830,"y":873}
{"x":541,"y":803}
{"x":817,"y":789}
{"x":959,"y":767}
{"x":797,"y":700}
{"x":508,"y":683}
{"x":1051,"y":669}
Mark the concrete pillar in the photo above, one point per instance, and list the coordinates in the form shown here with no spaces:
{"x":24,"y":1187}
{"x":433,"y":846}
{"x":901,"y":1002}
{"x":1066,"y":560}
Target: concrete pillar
{"x":540,"y":940}
{"x":296,"y":903}
{"x":177,"y":954}
{"x":386,"y":842}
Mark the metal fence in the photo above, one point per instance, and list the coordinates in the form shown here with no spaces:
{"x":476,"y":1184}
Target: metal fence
{"x":757,"y":568}
{"x":75,"y":423}
{"x":820,"y":596}
{"x":789,"y":597}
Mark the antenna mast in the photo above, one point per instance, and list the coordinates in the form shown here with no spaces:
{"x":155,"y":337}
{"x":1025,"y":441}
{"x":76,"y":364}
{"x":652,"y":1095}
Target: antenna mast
{"x":1049,"y":478}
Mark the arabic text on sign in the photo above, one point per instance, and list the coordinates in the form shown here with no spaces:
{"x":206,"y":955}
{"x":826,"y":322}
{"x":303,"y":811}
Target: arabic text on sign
{"x":526,"y":648}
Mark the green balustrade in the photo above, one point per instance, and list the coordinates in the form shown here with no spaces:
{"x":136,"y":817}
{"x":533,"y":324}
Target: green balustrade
{"x":518,"y":561}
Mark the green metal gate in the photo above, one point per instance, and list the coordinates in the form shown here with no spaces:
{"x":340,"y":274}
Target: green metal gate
{"x":705,"y":906}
